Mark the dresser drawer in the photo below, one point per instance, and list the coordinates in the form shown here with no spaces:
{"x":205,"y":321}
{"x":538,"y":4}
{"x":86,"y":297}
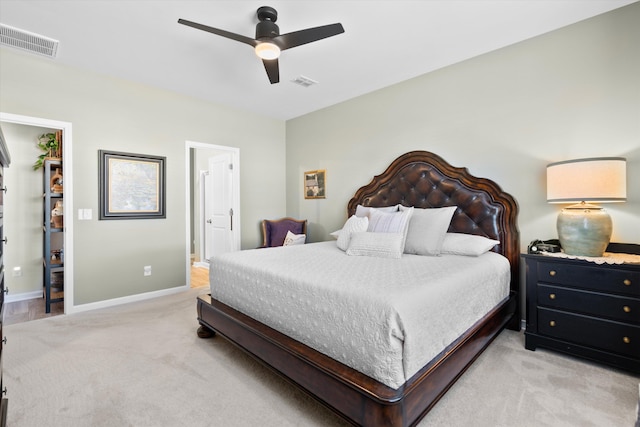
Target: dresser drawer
{"x":614,"y":307}
{"x":585,"y":330}
{"x":607,"y":279}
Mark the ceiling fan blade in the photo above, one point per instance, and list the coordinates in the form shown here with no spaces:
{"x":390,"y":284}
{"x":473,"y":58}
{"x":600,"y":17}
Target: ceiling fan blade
{"x":298,"y":38}
{"x":271,"y":66}
{"x":223,"y":33}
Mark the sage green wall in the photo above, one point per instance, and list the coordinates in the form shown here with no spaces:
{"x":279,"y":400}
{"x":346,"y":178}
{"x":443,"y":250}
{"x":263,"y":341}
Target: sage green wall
{"x":505,"y":115}
{"x":113,"y":114}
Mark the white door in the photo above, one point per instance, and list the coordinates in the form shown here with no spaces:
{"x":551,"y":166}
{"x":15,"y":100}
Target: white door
{"x":218,"y":206}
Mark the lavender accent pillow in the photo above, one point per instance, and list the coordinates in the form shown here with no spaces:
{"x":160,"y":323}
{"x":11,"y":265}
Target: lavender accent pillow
{"x":395,"y":222}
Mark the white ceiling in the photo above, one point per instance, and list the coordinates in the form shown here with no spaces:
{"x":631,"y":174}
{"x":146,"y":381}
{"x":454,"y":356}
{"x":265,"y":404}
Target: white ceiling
{"x":385,"y":42}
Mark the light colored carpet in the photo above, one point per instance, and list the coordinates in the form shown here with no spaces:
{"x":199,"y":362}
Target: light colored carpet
{"x":142,"y":364}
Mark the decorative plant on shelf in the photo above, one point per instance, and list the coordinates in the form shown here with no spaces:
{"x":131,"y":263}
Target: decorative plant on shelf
{"x":50,"y":144}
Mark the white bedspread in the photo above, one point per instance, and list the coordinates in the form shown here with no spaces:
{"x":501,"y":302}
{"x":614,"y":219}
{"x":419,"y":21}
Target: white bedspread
{"x":386,"y":318}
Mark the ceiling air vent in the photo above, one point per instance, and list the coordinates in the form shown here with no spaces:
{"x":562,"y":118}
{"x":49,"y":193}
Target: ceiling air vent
{"x":304,"y":81}
{"x":25,"y":40}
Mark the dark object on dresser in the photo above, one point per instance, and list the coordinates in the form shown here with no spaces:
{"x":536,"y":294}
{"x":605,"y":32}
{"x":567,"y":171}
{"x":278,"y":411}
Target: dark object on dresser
{"x":585,"y":309}
{"x":5,"y":159}
{"x":423,"y":180}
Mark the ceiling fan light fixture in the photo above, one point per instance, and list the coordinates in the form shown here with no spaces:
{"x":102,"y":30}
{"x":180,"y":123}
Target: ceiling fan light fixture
{"x":267,"y":50}
{"x":268,"y":41}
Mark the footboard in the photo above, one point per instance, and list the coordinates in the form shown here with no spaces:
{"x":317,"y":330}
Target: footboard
{"x":356,"y":397}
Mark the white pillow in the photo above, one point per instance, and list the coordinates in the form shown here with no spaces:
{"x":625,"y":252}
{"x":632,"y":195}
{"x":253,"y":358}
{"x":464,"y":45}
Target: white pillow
{"x":294,"y":239}
{"x":381,"y":245}
{"x":383,"y":222}
{"x":467,"y":244}
{"x":365,"y":210}
{"x":353,"y":225}
{"x":396,"y":222}
{"x":427,"y":229}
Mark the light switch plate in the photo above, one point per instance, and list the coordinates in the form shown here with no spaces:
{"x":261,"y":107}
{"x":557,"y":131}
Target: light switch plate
{"x":85,"y":214}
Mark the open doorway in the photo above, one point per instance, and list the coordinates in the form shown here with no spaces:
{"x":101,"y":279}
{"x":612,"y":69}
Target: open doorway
{"x":67,"y":202}
{"x":213,"y":206}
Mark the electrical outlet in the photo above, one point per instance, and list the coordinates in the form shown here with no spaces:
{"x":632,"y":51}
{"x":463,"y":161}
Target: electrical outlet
{"x":17,"y":272}
{"x":147,"y":270}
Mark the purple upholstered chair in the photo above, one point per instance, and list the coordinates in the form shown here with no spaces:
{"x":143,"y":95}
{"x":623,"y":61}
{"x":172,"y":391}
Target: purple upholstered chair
{"x":275,"y":231}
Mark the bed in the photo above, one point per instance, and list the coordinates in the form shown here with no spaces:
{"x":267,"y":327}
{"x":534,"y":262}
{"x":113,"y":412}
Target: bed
{"x":416,"y":179}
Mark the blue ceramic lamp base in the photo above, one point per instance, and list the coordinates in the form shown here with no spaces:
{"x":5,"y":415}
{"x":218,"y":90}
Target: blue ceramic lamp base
{"x":584,"y":229}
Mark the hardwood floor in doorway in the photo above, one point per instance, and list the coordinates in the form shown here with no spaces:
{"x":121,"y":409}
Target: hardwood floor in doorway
{"x":32,"y":309}
{"x":199,"y":277}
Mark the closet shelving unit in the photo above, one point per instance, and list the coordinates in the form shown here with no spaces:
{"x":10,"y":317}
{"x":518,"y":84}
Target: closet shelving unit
{"x":53,"y":239}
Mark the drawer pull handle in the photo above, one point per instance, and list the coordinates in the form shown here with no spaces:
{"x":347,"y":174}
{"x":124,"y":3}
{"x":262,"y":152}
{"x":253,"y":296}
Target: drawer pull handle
{"x":626,"y":309}
{"x":552,"y":273}
{"x":552,"y":323}
{"x":627,"y":282}
{"x":552,"y":296}
{"x":626,"y":340}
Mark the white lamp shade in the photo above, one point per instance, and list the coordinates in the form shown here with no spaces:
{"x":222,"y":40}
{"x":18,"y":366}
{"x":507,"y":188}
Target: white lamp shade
{"x":601,"y":179}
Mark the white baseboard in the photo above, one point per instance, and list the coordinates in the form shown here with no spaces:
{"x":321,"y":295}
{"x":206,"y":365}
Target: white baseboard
{"x":128,"y":299}
{"x":23,"y":296}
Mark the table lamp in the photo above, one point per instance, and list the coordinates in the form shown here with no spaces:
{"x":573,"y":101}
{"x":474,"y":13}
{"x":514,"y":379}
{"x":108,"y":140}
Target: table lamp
{"x":584,"y":228}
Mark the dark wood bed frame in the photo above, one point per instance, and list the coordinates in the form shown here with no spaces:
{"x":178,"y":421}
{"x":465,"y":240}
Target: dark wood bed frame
{"x":419,"y":179}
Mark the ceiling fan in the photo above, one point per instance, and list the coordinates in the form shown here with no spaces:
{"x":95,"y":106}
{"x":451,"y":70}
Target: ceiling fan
{"x":268,"y":42}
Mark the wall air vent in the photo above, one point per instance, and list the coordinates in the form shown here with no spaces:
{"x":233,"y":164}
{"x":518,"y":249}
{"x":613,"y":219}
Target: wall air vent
{"x":25,"y":40}
{"x":304,"y":81}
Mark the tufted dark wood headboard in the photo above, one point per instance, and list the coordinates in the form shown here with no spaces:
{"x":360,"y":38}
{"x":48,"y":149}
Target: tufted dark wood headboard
{"x":425,"y":180}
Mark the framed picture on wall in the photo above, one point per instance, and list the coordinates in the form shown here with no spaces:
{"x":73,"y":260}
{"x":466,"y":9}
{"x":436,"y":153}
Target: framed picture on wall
{"x":132,"y":186}
{"x":315,"y":184}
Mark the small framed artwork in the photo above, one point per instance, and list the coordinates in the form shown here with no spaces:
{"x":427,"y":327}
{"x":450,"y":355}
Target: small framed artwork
{"x":315,"y":184}
{"x":132,"y":186}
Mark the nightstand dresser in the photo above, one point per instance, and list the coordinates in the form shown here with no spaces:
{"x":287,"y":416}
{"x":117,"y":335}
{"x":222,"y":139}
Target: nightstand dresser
{"x":585,"y":309}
